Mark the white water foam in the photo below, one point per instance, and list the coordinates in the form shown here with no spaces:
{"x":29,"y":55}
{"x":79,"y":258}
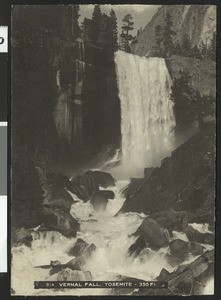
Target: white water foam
{"x":112,"y":236}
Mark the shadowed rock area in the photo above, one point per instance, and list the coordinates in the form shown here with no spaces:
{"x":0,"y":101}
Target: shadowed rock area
{"x":183,"y":182}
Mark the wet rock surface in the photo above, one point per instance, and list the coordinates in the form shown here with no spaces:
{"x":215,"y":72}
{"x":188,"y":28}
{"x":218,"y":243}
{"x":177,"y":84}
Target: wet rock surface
{"x":58,"y":220}
{"x":79,"y":248}
{"x":179,"y":249}
{"x":155,"y":236}
{"x":186,"y":278}
{"x":171,"y":220}
{"x":183,"y":183}
{"x":197,"y":236}
{"x":103,"y":179}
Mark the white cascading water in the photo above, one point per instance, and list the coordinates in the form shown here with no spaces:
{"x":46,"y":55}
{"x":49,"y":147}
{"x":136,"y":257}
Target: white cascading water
{"x":147,"y":118}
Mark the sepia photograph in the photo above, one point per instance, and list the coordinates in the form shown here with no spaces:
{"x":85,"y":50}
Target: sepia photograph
{"x":113,"y":149}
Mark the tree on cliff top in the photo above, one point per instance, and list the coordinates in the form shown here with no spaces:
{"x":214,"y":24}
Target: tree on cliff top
{"x":113,"y":31}
{"x":184,"y":98}
{"x":126,"y":37}
{"x":95,"y":28}
{"x":104,"y":36}
{"x":75,"y":26}
{"x":164,"y":38}
{"x":85,"y":29}
{"x":158,"y":48}
{"x":168,"y":34}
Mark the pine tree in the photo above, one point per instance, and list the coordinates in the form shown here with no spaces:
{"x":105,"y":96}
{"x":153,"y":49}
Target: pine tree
{"x":158,"y":48}
{"x":104,"y":36}
{"x":186,"y":46}
{"x":113,"y":31}
{"x":95,"y":28}
{"x":195,"y":52}
{"x":178,"y":49}
{"x":75,"y":25}
{"x":85,"y":29}
{"x":188,"y":101}
{"x":167,"y":37}
{"x":203,"y":50}
{"x":126,"y":37}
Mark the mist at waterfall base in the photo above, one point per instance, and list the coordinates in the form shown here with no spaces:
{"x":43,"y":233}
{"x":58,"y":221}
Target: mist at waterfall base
{"x":147,"y":124}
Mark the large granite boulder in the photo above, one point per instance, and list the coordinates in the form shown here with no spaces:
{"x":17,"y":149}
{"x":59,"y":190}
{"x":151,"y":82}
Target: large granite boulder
{"x":88,"y":182}
{"x":137,"y":246}
{"x":179,"y":248}
{"x":171,"y":220}
{"x":103,"y":179}
{"x":22,"y":236}
{"x":155,"y":236}
{"x":99,"y":202}
{"x":56,"y":219}
{"x":197,"y":236}
{"x":79,"y":248}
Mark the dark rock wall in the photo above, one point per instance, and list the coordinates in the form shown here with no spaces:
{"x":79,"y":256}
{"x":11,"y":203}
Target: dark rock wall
{"x":184,"y":181}
{"x":88,"y":111}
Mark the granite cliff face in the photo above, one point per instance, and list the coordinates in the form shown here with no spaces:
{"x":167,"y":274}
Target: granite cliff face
{"x":198,"y":22}
{"x":202,"y":72}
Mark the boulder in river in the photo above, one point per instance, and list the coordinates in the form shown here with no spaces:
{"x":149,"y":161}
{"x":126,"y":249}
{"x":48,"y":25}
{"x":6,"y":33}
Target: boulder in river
{"x":79,"y":190}
{"x":87,"y":182}
{"x":195,"y":248}
{"x":58,"y":220}
{"x":179,"y":249}
{"x":103,"y":179}
{"x":197,"y":236}
{"x":106,"y":194}
{"x":155,"y":236}
{"x":171,"y":220}
{"x":137,"y":246}
{"x":78,"y":262}
{"x":79,"y":248}
{"x":99,"y":202}
{"x":22,"y":236}
{"x":174,"y":261}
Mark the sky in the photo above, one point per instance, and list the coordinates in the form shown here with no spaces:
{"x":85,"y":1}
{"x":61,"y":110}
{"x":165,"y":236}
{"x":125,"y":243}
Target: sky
{"x":141,"y":14}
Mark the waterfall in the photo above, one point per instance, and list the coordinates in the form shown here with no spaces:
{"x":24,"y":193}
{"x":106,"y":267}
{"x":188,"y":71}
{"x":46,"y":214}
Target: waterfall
{"x":147,"y":118}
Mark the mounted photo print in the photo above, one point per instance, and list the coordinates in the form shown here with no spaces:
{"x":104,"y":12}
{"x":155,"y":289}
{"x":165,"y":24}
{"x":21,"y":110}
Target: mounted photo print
{"x":113,"y":134}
